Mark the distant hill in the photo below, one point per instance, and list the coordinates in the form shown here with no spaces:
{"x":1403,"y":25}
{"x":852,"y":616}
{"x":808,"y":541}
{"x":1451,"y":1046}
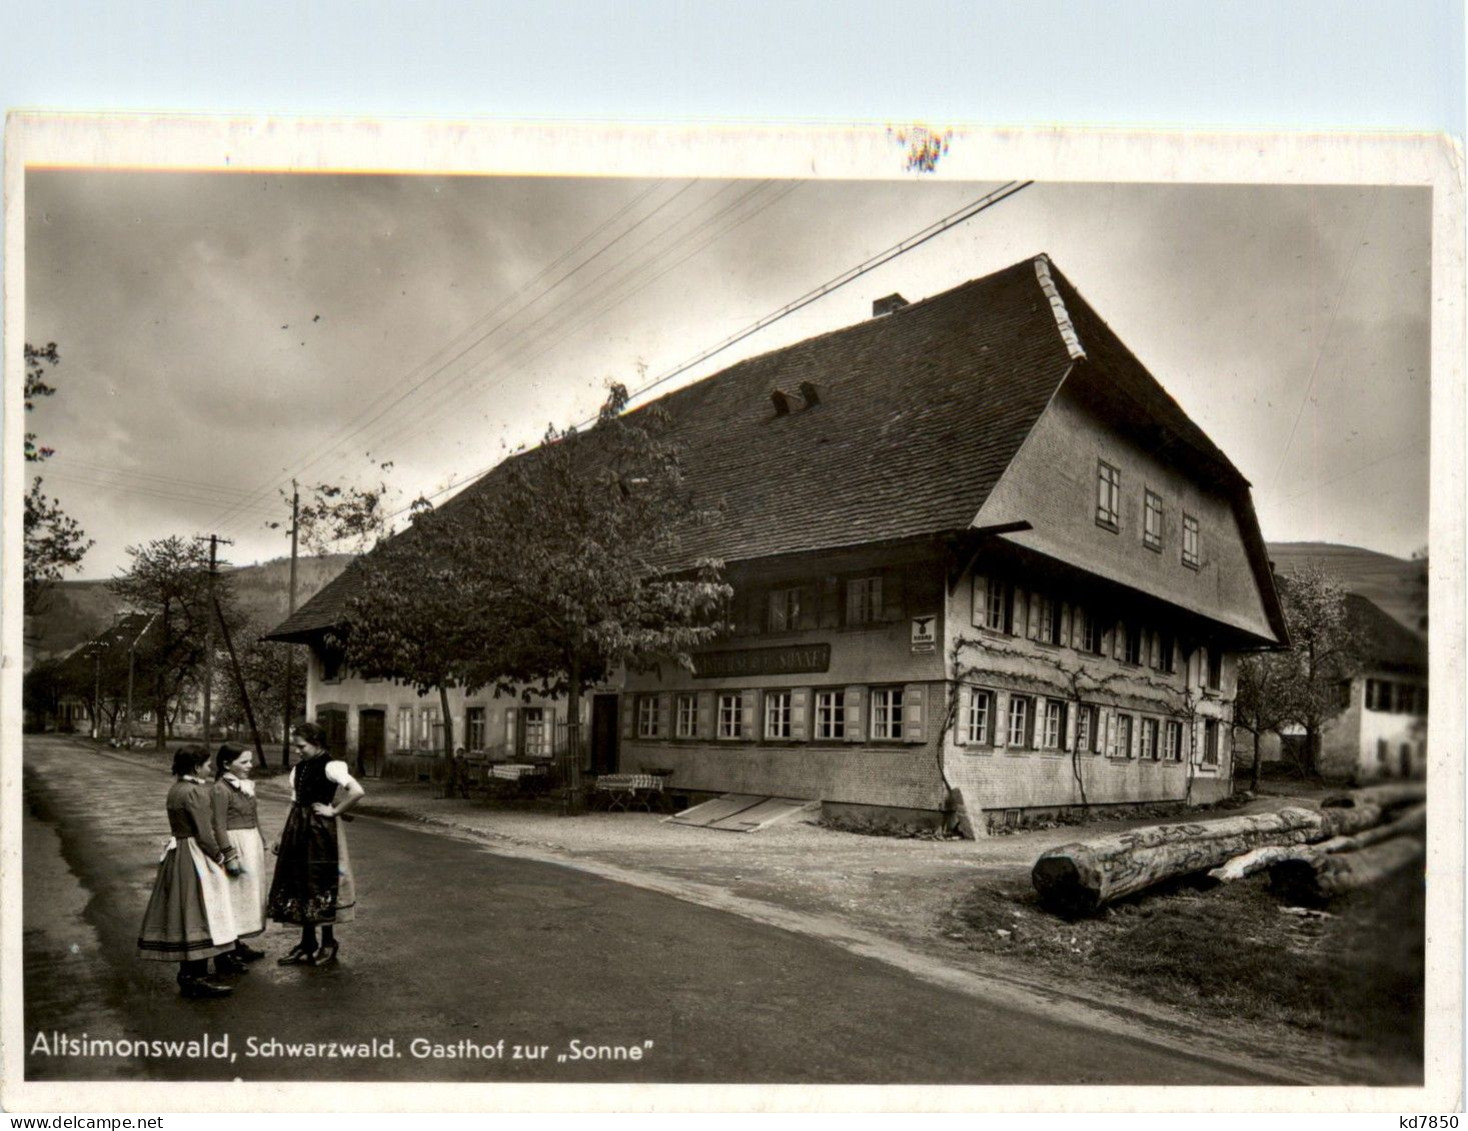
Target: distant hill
{"x":1396,"y":585}
{"x":78,"y":610}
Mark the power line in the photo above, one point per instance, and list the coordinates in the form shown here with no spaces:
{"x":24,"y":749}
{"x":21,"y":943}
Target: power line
{"x":611,"y":298}
{"x":332,"y":446}
{"x":1320,"y":353}
{"x":937,"y":228}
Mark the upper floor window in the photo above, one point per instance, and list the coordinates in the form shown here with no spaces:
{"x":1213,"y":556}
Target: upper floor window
{"x":1001,"y":606}
{"x":1088,"y":631}
{"x":864,"y":600}
{"x":783,"y":607}
{"x":1190,"y":541}
{"x":332,"y":666}
{"x":1132,"y":648}
{"x":1108,"y":495}
{"x":1152,"y":520}
{"x":1046,"y":626}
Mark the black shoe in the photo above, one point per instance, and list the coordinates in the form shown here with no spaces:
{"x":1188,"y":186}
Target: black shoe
{"x":227,"y":963}
{"x":296,"y":956}
{"x":247,"y":953}
{"x":326,"y":955}
{"x":203,"y":987}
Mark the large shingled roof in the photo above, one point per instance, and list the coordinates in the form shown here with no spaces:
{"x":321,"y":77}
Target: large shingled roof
{"x":919,"y":413}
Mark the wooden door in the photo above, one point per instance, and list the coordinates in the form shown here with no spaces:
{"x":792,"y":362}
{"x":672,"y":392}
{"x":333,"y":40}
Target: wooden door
{"x":604,"y":734}
{"x":371,"y":742}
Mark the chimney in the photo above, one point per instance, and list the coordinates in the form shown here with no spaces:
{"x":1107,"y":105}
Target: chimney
{"x":811,"y":394}
{"x":888,"y":305}
{"x":781,"y":402}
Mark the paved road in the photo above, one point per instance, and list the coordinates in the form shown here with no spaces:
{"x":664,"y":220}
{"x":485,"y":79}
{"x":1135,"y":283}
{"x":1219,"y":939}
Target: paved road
{"x":457,"y":947}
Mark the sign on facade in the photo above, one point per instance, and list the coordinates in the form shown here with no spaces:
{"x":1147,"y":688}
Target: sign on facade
{"x":925,"y":634}
{"x":763,"y":661}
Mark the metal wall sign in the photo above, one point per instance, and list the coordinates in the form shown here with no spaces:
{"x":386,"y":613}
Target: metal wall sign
{"x":785,"y":660}
{"x":925,"y":634}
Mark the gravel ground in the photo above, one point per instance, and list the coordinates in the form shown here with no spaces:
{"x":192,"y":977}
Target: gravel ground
{"x":903,"y":890}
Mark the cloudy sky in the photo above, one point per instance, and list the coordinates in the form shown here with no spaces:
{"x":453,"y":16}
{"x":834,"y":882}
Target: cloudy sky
{"x":222,"y":333}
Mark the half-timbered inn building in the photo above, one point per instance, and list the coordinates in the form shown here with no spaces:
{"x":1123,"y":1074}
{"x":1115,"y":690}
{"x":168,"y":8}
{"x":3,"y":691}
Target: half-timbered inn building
{"x":982,"y":564}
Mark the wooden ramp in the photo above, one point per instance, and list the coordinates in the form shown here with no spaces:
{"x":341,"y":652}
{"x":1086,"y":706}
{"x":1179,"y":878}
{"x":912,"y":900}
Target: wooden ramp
{"x":741,"y":812}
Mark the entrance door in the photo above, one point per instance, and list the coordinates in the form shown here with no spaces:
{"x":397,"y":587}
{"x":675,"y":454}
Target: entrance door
{"x":333,"y":720}
{"x":371,"y":742}
{"x":604,"y":734}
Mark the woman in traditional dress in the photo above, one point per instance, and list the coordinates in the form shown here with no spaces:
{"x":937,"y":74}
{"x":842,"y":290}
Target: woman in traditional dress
{"x":189,"y":917}
{"x":313,"y":875}
{"x":236,"y":823}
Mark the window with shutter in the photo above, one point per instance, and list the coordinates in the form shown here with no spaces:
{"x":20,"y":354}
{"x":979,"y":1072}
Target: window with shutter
{"x":852,"y":701}
{"x":886,"y":714}
{"x":830,"y":715}
{"x":980,"y":716}
{"x":979,"y":602}
{"x":731,"y":715}
{"x":914,"y":712}
{"x":777,"y":715}
{"x":685,"y":724}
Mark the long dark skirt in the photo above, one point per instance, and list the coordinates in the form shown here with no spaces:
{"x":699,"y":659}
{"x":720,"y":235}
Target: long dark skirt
{"x":313,"y":874}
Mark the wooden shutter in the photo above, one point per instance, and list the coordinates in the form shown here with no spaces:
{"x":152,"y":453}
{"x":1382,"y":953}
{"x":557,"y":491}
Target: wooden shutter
{"x":665,"y":714}
{"x":894,"y":594}
{"x":1034,"y":622}
{"x":854,"y":704}
{"x":809,"y":596}
{"x":1067,"y":737}
{"x":914,"y":712}
{"x":963,"y":700}
{"x":629,"y":716}
{"x":549,"y":715}
{"x":705,"y":723}
{"x":830,"y":598}
{"x":1001,"y":718}
{"x":748,"y":700}
{"x":800,"y":701}
{"x":510,"y":732}
{"x":979,"y":613}
{"x":1103,"y":731}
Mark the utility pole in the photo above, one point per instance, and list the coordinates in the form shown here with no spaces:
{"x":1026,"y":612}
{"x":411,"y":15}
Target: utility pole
{"x":131,"y":651}
{"x":214,"y":541}
{"x":290,"y":656}
{"x":97,"y":688}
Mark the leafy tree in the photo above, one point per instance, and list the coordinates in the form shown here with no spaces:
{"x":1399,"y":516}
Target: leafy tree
{"x":548,"y":575}
{"x":170,"y":577}
{"x":1261,"y":704}
{"x":570,"y":548}
{"x":332,"y":517}
{"x":54,"y":542}
{"x":1324,"y":652}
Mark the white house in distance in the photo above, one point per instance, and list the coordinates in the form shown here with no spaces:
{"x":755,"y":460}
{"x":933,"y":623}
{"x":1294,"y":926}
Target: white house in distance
{"x":982,"y":562}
